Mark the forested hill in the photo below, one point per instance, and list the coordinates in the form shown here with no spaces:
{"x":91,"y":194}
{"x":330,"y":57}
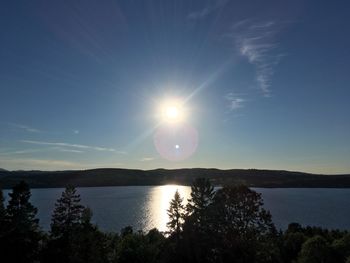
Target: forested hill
{"x":115,"y":177}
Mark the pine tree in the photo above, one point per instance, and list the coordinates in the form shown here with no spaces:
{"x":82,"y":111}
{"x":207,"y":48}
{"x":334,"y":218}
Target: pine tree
{"x":88,"y":244}
{"x":67,"y":214}
{"x":196,"y":229}
{"x":66,"y":225}
{"x":176,"y":215}
{"x":2,"y":210}
{"x":23,"y":232}
{"x":202,"y":194}
{"x":2,"y":220}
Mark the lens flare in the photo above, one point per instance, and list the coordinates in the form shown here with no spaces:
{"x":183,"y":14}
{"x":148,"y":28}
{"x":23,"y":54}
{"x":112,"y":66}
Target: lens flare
{"x":176,"y":143}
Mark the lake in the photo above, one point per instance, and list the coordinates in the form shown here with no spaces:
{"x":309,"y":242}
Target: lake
{"x":144,"y":207}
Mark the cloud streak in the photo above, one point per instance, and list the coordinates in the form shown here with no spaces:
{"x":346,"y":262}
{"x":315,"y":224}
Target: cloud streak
{"x":30,"y":151}
{"x":26,"y":151}
{"x":25,"y":128}
{"x":147,"y":159}
{"x":40,"y":163}
{"x":78,"y":146}
{"x":207,"y":10}
{"x":234,"y":101}
{"x":255,"y":42}
{"x":49,"y":164}
{"x":60,"y":149}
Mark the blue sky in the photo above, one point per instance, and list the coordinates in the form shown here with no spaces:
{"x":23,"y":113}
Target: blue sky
{"x":265,"y":84}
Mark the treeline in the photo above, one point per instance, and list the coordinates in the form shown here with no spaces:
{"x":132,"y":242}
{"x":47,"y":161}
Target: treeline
{"x":122,"y":177}
{"x":224,"y":225}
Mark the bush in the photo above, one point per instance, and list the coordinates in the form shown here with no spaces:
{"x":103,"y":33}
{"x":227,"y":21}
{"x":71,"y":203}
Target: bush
{"x":315,"y":250}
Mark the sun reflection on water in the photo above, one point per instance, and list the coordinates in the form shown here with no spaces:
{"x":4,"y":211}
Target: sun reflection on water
{"x":159,"y":203}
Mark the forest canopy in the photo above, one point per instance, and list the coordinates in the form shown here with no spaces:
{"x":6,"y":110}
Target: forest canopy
{"x":229,"y":224}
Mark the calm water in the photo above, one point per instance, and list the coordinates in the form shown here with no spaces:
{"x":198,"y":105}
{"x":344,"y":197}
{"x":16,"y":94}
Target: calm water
{"x":144,"y":207}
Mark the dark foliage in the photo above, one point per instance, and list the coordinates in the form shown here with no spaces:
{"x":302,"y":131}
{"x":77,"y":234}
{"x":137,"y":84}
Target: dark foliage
{"x":21,"y":234}
{"x":73,"y":238}
{"x":2,"y":221}
{"x":176,"y":215}
{"x":114,"y":177}
{"x":315,"y":250}
{"x":2,"y":211}
{"x":197,"y":234}
{"x":67,"y":214}
{"x":243,"y":229}
{"x":227,"y":225}
{"x":140,"y":247}
{"x":341,"y":248}
{"x":292,"y":243}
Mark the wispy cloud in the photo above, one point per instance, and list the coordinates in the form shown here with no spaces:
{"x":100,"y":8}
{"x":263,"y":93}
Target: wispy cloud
{"x":234,"y":101}
{"x":49,"y":164}
{"x":60,"y":149}
{"x":30,"y":151}
{"x":15,"y":152}
{"x":69,"y":145}
{"x":40,"y":164}
{"x":207,"y":10}
{"x":24,"y":127}
{"x":147,"y":159}
{"x":255,"y":41}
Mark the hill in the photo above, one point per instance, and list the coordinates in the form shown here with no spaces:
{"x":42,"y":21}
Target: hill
{"x":123,"y":177}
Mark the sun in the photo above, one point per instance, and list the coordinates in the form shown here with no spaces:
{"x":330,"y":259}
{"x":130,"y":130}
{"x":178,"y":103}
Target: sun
{"x":172,"y":111}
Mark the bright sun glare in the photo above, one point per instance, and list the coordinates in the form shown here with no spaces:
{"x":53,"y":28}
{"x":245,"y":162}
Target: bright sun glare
{"x":172,"y":112}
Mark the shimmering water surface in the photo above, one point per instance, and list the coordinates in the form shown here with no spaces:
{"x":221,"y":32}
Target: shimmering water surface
{"x":144,"y":207}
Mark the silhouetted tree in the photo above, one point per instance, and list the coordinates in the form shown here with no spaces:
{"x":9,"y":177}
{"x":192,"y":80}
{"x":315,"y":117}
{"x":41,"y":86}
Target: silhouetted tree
{"x":2,"y":208}
{"x":66,"y":220}
{"x":242,"y":228}
{"x":128,"y":230}
{"x":2,"y":214}
{"x":294,"y":228}
{"x":202,"y":194}
{"x":229,"y":225}
{"x":140,"y":248}
{"x":22,"y":233}
{"x":341,"y":248}
{"x":176,"y":215}
{"x":156,"y":241}
{"x":2,"y":222}
{"x":196,"y":229}
{"x":74,"y":238}
{"x":87,"y":242}
{"x":292,"y":243}
{"x":67,"y":214}
{"x":173,"y":248}
{"x":315,"y":250}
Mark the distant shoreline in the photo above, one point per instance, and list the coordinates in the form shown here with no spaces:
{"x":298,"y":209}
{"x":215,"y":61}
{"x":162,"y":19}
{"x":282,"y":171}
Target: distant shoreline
{"x":132,"y":177}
